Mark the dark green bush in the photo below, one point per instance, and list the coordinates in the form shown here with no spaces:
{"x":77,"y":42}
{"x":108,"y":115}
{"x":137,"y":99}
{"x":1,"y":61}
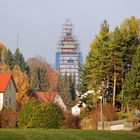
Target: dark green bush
{"x":8,"y":118}
{"x":36,"y":115}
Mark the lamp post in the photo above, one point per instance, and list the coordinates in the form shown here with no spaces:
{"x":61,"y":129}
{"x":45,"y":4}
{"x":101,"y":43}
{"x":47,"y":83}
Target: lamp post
{"x":101,"y":111}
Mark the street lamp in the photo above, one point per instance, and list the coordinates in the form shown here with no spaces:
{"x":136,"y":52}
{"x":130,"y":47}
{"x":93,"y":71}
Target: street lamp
{"x":101,"y":111}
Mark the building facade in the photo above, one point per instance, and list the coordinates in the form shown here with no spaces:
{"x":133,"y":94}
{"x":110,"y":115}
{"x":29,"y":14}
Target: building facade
{"x":68,"y":55}
{"x":8,"y":91}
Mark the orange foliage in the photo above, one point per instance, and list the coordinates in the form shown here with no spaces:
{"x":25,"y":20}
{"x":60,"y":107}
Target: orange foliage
{"x":21,"y":80}
{"x":53,"y":79}
{"x":36,"y":62}
{"x":109,"y":113}
{"x":8,"y":118}
{"x":71,"y":121}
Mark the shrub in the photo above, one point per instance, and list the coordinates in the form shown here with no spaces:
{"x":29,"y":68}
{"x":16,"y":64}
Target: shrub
{"x":87,"y":123}
{"x":72,"y":121}
{"x":84,"y":113}
{"x":36,"y":115}
{"x":27,"y":113}
{"x":122,"y":115}
{"x":95,"y":116}
{"x":109,"y":113}
{"x":8,"y":118}
{"x":51,"y":116}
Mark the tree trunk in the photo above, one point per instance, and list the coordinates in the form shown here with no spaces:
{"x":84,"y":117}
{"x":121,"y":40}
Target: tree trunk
{"x":114,"y":88}
{"x":122,"y":93}
{"x":127,"y":107}
{"x":122,"y":96}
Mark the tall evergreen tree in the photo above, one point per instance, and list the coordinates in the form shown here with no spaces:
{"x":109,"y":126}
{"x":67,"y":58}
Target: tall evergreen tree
{"x":110,"y":58}
{"x":84,"y":79}
{"x":0,"y":54}
{"x":132,"y":82}
{"x":117,"y":53}
{"x":63,"y":89}
{"x":97,"y":67}
{"x":20,"y":61}
{"x":9,"y":59}
{"x":72,"y":87}
{"x":130,"y":29}
{"x":39,"y":81}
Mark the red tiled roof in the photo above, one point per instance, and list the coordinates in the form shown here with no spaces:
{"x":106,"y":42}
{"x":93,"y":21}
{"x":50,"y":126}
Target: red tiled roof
{"x":4,"y":80}
{"x":46,"y":96}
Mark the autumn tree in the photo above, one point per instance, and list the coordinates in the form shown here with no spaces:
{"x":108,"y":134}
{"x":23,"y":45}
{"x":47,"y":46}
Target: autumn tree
{"x":39,"y":74}
{"x":3,"y":52}
{"x":16,"y":65}
{"x":22,"y":83}
{"x":4,"y":68}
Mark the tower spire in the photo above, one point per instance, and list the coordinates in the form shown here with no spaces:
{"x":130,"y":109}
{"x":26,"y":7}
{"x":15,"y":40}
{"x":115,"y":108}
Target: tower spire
{"x":17,"y":41}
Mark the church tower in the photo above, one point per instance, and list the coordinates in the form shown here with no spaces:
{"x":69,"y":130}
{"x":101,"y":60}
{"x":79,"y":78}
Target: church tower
{"x":68,"y":55}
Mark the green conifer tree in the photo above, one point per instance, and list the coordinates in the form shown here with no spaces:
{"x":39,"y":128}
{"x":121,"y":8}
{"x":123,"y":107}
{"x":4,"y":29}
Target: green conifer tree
{"x":9,"y":59}
{"x":132,"y":82}
{"x":72,"y":87}
{"x":63,"y":89}
{"x":39,"y":80}
{"x":20,"y":61}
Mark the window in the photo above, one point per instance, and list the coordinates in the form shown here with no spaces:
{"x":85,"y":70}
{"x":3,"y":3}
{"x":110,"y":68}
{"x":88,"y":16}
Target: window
{"x":70,"y":61}
{"x":10,"y":102}
{"x":6,"y":101}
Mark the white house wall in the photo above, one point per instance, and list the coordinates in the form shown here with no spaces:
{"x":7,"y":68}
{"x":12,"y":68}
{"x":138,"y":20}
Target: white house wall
{"x":1,"y":100}
{"x":58,"y":100}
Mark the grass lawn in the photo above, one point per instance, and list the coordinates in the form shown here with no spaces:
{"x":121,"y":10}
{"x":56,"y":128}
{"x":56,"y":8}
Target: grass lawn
{"x":60,"y":134}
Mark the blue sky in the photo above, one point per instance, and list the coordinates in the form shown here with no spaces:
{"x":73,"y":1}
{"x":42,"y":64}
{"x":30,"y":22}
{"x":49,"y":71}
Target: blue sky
{"x":39,"y":22}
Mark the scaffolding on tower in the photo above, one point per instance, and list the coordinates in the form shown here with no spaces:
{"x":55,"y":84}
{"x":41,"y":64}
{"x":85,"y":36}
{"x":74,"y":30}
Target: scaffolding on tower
{"x":68,"y":55}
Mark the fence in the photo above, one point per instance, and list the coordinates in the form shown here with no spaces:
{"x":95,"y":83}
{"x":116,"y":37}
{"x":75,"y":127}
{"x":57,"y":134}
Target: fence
{"x":117,"y":125}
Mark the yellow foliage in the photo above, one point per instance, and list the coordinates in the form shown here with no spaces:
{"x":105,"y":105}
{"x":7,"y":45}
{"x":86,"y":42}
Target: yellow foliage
{"x":131,"y":24}
{"x":4,"y":68}
{"x":4,"y":50}
{"x":21,"y":80}
{"x":87,"y":123}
